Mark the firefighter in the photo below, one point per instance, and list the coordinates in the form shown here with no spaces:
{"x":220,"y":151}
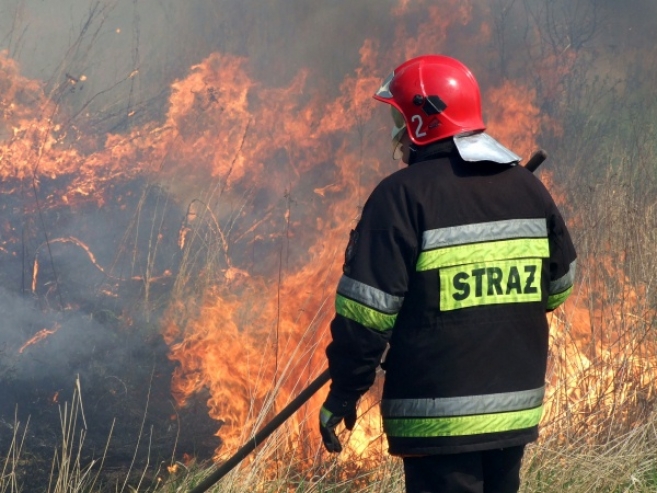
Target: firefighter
{"x":450,"y":272}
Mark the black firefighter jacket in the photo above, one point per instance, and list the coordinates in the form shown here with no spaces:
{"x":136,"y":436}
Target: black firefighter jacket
{"x":454,"y":265}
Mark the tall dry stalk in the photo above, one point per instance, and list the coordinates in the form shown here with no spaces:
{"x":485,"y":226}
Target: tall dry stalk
{"x":67,"y":474}
{"x":11,"y":467}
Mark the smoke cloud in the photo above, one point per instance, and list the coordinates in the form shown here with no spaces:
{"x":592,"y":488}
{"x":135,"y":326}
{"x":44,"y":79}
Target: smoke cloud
{"x":129,"y":52}
{"x":546,"y":69}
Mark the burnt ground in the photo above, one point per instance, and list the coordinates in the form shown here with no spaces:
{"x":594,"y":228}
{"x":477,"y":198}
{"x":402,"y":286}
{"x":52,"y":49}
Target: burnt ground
{"x":125,"y":387}
{"x":104,"y":328}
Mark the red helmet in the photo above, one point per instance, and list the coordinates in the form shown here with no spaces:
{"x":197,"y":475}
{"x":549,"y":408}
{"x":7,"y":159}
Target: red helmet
{"x":437,"y":96}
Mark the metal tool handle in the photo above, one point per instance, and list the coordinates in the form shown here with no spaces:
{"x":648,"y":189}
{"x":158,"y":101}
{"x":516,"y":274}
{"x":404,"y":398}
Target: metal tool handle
{"x":264,"y":433}
{"x":536,"y":160}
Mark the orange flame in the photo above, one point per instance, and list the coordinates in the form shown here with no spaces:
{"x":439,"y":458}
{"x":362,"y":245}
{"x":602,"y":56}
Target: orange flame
{"x":271,"y":179}
{"x":256,"y":335}
{"x":39,"y":336}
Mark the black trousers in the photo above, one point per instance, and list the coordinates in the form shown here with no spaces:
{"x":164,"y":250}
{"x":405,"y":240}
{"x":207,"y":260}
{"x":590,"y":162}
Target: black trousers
{"x":488,"y":471}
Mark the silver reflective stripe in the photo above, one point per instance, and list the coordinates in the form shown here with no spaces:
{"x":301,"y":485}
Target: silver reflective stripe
{"x":462,"y":406}
{"x":564,"y":282}
{"x":479,"y":232}
{"x":369,"y":296}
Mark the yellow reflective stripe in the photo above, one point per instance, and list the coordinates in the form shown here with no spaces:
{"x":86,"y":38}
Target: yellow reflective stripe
{"x":554,"y":300}
{"x":364,"y":315}
{"x":483,"y":252}
{"x":490,"y":283}
{"x":462,"y":425}
{"x":324,"y":415}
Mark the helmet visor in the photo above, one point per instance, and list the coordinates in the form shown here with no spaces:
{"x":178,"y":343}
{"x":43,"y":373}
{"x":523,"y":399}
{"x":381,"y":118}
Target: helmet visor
{"x":398,"y":130}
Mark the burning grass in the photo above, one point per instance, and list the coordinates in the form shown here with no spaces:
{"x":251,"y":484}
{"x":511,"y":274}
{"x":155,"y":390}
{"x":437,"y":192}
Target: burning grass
{"x":220,"y":230}
{"x":599,"y":428}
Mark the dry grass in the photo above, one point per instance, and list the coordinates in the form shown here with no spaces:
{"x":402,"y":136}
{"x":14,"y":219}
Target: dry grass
{"x":9,"y":482}
{"x":599,"y":432}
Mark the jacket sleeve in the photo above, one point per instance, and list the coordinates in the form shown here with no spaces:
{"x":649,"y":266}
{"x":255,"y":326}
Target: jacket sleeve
{"x":381,"y":253}
{"x":563,"y":259}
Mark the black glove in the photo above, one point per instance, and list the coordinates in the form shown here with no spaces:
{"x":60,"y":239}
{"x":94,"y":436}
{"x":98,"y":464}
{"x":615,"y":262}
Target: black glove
{"x":332,"y":413}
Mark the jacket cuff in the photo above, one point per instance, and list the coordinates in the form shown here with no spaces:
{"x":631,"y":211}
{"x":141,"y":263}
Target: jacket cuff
{"x":339,"y":406}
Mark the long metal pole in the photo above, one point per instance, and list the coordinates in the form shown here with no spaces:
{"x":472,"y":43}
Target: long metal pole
{"x":264,"y":433}
{"x":536,"y":160}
